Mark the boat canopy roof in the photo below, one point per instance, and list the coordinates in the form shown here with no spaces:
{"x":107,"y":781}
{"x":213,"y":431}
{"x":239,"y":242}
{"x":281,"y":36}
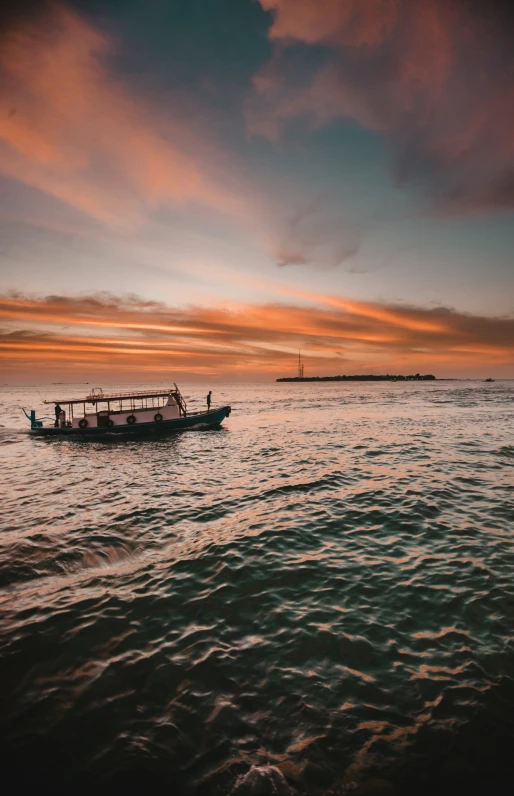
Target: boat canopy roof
{"x":97,"y":396}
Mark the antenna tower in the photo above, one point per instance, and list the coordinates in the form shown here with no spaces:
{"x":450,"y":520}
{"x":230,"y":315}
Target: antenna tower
{"x":300,"y":366}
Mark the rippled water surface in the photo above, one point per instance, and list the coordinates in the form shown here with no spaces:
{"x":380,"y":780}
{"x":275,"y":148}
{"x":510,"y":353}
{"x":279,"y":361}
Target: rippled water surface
{"x":324,"y":585}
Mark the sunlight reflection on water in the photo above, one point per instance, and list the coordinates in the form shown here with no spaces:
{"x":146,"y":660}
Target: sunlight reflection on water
{"x":325,"y":582}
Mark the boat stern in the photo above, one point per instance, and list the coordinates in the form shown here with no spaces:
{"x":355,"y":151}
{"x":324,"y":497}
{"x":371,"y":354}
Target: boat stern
{"x":34,"y":422}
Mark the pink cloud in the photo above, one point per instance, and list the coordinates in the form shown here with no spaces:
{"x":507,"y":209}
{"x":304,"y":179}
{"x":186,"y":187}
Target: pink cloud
{"x":434,"y":76}
{"x":70,"y":129}
{"x":331,"y":21}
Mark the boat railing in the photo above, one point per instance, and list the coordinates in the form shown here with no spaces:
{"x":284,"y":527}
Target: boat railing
{"x":180,"y":401}
{"x":95,"y":396}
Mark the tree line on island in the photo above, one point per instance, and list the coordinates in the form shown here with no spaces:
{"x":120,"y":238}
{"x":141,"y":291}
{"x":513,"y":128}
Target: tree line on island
{"x":364,"y":377}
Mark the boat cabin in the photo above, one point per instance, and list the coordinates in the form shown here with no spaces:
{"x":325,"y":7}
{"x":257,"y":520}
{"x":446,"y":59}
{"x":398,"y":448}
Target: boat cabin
{"x":104,"y":410}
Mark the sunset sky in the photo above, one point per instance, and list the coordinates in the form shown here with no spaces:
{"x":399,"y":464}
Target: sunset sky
{"x":199,"y":188}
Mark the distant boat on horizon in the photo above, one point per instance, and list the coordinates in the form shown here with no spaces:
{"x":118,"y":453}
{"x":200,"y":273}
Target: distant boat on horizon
{"x":489,"y":379}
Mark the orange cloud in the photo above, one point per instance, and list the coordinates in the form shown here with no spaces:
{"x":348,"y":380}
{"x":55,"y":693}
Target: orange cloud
{"x":352,"y":22}
{"x":70,"y":129}
{"x":434,"y":76}
{"x":126,"y":335}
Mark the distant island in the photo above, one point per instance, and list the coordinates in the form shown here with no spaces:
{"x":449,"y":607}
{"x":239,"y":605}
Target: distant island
{"x":365,"y":377}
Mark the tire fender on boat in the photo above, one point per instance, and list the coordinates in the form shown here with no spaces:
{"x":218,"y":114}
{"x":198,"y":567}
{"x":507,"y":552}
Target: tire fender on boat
{"x":110,"y":423}
{"x":131,"y":419}
{"x":157,"y":417}
{"x":83,"y":423}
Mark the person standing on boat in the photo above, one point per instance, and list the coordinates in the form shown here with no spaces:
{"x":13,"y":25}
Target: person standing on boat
{"x":58,"y":411}
{"x":209,"y":400}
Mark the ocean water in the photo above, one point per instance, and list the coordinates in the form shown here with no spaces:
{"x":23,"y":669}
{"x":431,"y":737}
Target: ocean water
{"x":321,"y":593}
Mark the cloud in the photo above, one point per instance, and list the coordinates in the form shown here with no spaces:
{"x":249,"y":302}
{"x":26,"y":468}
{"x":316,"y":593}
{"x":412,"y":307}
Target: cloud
{"x":305,"y":252}
{"x":70,"y":128}
{"x":316,"y":234}
{"x":126,"y":335}
{"x":352,"y":22}
{"x":73,"y":130}
{"x":433,"y":76}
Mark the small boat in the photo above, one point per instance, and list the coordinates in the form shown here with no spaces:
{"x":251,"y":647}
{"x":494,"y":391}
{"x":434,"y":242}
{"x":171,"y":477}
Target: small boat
{"x":489,"y":379}
{"x":124,"y":412}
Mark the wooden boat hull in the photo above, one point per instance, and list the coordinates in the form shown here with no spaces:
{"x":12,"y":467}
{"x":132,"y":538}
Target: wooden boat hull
{"x":209,"y":419}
